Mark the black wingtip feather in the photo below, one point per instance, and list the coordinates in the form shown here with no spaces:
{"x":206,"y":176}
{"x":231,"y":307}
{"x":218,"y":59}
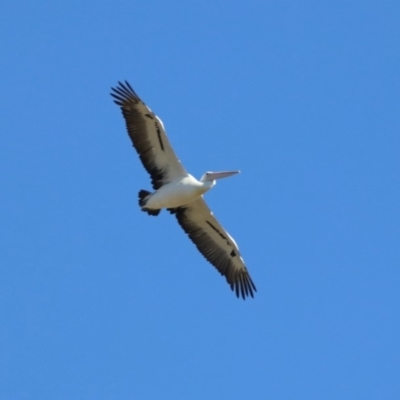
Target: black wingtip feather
{"x":129,"y":87}
{"x":123,"y":92}
{"x":242,"y":285}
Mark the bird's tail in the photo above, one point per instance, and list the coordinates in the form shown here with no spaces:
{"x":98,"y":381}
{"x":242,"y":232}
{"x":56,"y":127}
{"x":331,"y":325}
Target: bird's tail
{"x":143,"y":197}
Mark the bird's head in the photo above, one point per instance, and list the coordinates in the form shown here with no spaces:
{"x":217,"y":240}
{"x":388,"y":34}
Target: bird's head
{"x":212,"y":176}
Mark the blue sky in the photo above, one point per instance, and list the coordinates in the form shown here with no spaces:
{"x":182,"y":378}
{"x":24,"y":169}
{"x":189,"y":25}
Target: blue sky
{"x":100,"y":301}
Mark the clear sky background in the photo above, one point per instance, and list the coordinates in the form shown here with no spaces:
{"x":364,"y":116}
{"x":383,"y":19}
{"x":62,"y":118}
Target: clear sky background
{"x":100,"y":301}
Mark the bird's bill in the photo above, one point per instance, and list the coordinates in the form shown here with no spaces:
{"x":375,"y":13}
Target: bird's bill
{"x":221,"y":174}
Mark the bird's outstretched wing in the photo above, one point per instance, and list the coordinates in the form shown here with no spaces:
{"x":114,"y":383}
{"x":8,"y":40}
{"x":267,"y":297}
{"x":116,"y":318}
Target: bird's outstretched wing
{"x":148,"y":137}
{"x":216,"y":245}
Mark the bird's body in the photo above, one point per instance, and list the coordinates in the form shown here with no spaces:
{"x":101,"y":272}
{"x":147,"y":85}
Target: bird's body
{"x":179,"y":192}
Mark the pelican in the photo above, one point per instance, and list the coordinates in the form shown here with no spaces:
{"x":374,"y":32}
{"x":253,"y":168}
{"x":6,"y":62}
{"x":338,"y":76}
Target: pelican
{"x":179,"y":192}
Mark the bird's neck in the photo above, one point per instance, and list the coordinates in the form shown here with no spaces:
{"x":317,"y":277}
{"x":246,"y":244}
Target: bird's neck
{"x":209,"y":184}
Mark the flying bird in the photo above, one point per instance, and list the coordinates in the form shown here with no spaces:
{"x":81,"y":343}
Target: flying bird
{"x":179,"y":192}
